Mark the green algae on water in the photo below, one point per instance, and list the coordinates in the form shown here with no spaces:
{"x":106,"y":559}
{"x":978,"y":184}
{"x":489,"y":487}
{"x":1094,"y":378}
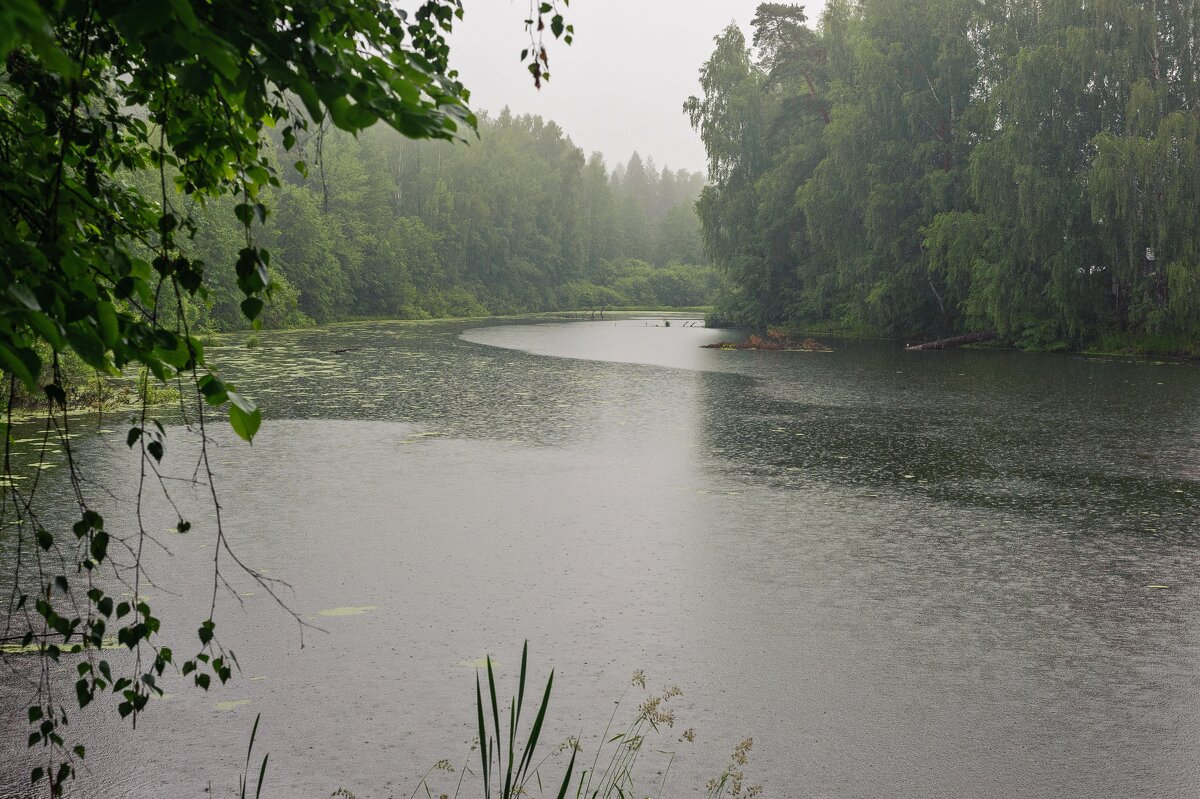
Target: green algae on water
{"x":347,"y":611}
{"x":232,"y":704}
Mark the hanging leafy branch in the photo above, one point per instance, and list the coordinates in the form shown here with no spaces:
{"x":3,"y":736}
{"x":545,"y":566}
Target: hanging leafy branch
{"x":536,"y":24}
{"x":94,"y":95}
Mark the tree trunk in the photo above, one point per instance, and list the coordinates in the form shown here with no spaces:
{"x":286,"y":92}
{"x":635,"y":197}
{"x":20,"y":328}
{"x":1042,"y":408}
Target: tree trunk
{"x":954,"y":341}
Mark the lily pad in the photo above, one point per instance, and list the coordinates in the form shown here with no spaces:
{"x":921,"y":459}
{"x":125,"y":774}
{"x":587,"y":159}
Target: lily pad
{"x":232,"y":704}
{"x":29,"y":649}
{"x":347,"y":611}
{"x":478,"y":663}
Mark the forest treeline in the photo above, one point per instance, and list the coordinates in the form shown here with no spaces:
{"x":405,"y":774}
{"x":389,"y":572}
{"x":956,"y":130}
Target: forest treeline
{"x":515,"y":220}
{"x":922,"y":168}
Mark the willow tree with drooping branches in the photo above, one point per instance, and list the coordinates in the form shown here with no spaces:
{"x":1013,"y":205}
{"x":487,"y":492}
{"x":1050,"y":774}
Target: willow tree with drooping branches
{"x":941,"y":167}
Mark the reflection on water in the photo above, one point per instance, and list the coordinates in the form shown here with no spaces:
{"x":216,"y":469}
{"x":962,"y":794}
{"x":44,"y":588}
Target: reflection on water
{"x":906,"y":574}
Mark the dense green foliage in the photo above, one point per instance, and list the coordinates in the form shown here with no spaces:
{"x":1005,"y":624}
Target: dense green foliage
{"x":515,"y":220}
{"x":935,"y":167}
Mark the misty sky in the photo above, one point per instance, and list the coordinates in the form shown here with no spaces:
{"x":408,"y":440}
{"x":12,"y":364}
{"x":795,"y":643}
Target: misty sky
{"x":620,"y":87}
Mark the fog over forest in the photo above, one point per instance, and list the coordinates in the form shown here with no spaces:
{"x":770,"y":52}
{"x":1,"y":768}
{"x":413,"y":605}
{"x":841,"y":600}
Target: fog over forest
{"x":516,"y":220}
{"x":599,"y":399}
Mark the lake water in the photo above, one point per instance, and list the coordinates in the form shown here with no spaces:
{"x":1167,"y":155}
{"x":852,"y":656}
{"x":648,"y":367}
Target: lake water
{"x":905,"y":574}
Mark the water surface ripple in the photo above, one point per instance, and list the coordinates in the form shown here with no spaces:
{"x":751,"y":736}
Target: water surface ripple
{"x":905,"y":574}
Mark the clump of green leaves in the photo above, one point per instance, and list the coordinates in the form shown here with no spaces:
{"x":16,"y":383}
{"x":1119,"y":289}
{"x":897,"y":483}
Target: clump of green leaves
{"x":503,"y":772}
{"x":510,"y":770}
{"x":244,"y":779}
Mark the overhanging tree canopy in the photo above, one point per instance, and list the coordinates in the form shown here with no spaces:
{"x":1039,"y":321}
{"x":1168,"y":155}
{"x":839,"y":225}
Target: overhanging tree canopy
{"x":94,"y":94}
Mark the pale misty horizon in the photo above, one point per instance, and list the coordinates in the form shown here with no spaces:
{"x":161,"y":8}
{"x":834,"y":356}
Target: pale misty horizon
{"x":620,"y":87}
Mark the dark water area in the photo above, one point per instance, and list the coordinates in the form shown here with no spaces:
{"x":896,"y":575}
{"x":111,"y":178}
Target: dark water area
{"x":905,"y":574}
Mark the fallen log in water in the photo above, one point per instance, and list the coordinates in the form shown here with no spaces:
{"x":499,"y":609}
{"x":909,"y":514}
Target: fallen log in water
{"x":773,"y":340}
{"x":954,"y":341}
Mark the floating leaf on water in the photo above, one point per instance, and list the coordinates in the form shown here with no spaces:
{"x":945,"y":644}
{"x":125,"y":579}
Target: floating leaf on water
{"x":232,"y":704}
{"x":478,"y":663}
{"x":31,"y":649}
{"x":18,"y":649}
{"x":347,"y":611}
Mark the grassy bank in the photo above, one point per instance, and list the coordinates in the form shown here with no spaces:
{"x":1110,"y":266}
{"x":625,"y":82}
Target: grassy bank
{"x":698,"y":311}
{"x":87,"y":389}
